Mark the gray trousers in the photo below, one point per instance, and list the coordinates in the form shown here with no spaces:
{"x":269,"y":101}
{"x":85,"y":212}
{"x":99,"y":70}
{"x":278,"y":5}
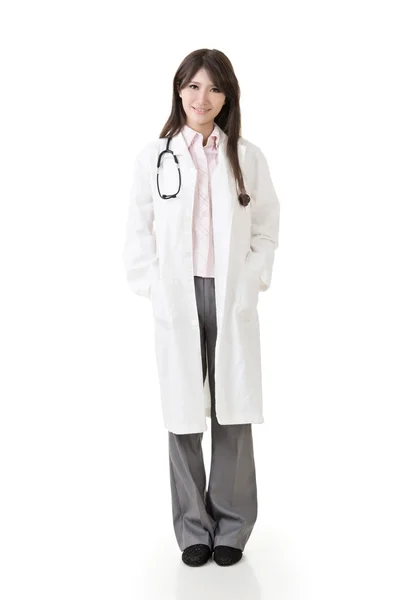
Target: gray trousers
{"x":224,"y":514}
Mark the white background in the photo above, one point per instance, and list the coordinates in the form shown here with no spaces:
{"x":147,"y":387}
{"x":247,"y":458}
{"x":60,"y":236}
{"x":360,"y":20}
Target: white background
{"x":85,"y":500}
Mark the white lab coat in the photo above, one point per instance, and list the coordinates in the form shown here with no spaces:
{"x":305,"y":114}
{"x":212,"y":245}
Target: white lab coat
{"x":158,"y":260}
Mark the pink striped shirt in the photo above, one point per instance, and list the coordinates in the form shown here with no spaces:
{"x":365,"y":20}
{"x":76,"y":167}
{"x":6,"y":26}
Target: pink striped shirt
{"x":205,"y":159}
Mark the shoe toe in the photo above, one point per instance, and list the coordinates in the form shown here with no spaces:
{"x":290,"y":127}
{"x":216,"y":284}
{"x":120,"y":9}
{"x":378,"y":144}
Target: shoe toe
{"x":196,"y":555}
{"x":225,"y":556}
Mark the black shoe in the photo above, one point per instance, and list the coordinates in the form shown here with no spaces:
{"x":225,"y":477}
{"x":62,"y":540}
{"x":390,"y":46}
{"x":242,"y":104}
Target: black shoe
{"x":196,"y":555}
{"x":225,"y":556}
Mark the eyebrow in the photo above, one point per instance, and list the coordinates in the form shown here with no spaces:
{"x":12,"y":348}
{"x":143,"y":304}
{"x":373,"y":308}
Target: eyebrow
{"x":198,"y":83}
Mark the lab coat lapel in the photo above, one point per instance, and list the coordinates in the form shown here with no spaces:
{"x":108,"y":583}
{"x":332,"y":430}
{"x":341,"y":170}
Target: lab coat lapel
{"x":179,"y":147}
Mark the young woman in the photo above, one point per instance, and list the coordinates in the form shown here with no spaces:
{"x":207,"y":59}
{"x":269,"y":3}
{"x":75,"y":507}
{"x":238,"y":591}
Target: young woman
{"x":201,"y":234}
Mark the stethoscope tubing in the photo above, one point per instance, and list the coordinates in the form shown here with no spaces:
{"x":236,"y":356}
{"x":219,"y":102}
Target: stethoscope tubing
{"x":168,"y":151}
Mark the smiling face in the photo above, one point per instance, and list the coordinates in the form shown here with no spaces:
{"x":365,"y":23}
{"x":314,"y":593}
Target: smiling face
{"x":201,"y":93}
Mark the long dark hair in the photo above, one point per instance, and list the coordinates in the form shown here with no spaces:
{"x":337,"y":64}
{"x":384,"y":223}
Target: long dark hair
{"x":220,"y":71}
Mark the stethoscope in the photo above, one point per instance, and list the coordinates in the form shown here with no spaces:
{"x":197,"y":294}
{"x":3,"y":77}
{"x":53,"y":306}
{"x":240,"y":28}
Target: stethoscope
{"x":165,"y":196}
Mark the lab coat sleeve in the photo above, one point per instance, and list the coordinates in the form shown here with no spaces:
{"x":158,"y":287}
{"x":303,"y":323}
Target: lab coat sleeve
{"x":140,"y":249}
{"x":265,"y":212}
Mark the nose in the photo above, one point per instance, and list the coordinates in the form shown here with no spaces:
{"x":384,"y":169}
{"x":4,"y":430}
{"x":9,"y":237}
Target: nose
{"x":203,"y":98}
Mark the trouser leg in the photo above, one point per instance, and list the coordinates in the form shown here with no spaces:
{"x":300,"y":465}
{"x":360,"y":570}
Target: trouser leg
{"x":231,"y":498}
{"x":192,"y":523}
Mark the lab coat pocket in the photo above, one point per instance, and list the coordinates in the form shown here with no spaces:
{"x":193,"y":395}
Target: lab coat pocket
{"x":159,"y":302}
{"x":248,"y":297}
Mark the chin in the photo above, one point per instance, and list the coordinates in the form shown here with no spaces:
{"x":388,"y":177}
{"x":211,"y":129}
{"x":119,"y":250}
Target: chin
{"x":203,"y":118}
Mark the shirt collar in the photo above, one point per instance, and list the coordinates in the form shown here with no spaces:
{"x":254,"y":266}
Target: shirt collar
{"x":190,"y":135}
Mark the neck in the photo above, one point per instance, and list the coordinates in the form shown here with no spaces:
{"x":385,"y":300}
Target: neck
{"x":205,"y":130}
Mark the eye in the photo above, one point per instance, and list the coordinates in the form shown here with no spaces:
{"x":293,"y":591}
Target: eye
{"x":193,"y":85}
